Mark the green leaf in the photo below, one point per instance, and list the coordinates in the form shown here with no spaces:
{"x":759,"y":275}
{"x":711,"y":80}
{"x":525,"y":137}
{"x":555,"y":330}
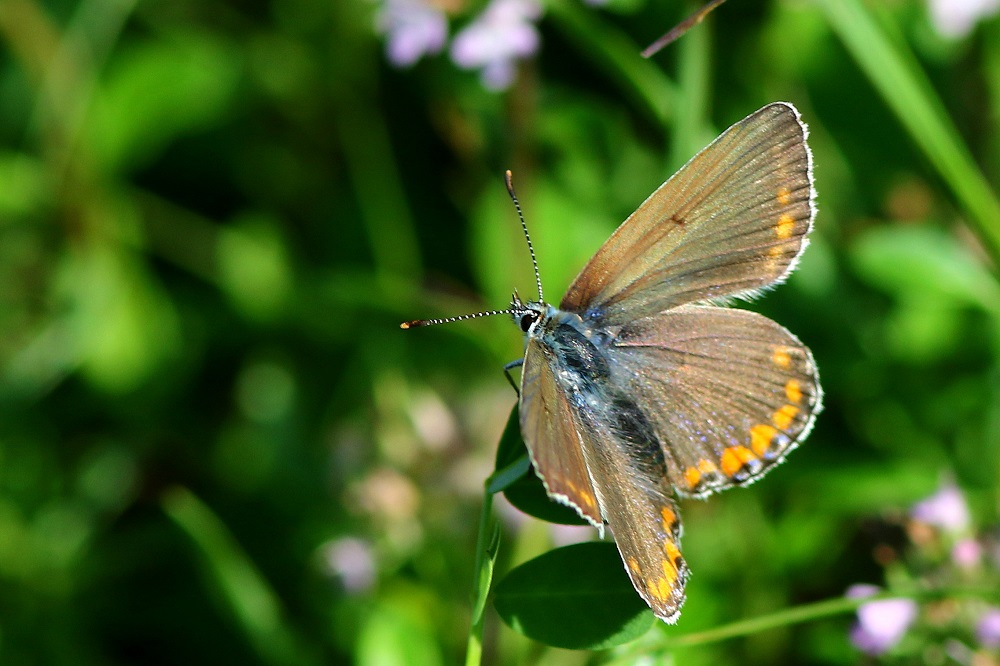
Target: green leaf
{"x":157,"y":91}
{"x":577,"y":597}
{"x":123,"y":323}
{"x":397,"y":632}
{"x":907,"y":260}
{"x":254,"y":268}
{"x":526,"y":492}
{"x":512,"y":461}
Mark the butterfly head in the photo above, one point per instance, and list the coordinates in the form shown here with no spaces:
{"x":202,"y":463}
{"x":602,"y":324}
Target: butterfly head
{"x":526,"y":314}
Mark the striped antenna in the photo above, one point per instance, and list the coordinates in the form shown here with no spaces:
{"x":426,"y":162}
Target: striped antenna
{"x":508,"y":178}
{"x":416,"y":323}
{"x":516,"y":304}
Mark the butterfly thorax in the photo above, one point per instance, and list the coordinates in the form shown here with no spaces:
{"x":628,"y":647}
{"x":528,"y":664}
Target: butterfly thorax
{"x":577,"y":351}
{"x":538,"y":319}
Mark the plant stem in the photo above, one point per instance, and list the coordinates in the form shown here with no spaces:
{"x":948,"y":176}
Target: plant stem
{"x":486,"y":549}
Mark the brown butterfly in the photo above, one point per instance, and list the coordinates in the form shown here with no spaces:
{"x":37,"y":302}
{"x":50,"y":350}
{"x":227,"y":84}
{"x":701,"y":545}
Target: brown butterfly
{"x":639,"y":386}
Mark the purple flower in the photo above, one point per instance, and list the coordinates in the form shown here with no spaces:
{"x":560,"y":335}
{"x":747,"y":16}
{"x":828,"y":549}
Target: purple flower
{"x":881,"y":624}
{"x":946,"y":509}
{"x":413,"y":28}
{"x":988,"y":629}
{"x":496,"y":39}
{"x":957,"y":18}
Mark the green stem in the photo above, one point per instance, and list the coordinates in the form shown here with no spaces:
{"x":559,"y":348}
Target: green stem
{"x":486,"y":550}
{"x":800,"y":615}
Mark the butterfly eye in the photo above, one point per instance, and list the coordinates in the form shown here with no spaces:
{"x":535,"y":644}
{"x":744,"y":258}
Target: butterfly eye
{"x":527,"y":319}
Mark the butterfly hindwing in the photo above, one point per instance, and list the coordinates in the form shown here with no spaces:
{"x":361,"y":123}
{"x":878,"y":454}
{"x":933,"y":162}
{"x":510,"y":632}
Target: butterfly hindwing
{"x":728,"y":391}
{"x":636,"y":502}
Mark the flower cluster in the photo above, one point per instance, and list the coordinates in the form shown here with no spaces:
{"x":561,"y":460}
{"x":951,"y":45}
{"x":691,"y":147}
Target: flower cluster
{"x":944,"y":553}
{"x":492,"y":42}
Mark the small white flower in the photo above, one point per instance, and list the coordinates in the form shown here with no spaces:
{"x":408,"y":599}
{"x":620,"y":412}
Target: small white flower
{"x":413,"y":29}
{"x":957,"y":18}
{"x":496,"y":39}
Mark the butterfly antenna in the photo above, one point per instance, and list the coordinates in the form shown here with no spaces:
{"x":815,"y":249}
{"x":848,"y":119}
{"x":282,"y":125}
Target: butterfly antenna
{"x":447,"y":320}
{"x":508,"y":178}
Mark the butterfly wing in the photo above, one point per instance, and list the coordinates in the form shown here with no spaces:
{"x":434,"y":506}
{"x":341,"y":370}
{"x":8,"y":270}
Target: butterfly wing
{"x":605,"y":461}
{"x":729,"y":392}
{"x":636,"y":501}
{"x":552,"y":437}
{"x":731,"y":221}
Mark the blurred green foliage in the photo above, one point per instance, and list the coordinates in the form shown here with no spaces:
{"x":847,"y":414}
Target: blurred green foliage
{"x":216,"y":446}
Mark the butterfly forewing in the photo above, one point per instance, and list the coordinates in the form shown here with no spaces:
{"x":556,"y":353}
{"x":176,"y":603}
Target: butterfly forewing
{"x":729,"y":392}
{"x":732,"y":221}
{"x":553,"y":438}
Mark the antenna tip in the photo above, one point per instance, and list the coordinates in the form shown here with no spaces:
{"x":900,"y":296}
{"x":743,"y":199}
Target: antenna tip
{"x":407,"y":324}
{"x":508,"y":178}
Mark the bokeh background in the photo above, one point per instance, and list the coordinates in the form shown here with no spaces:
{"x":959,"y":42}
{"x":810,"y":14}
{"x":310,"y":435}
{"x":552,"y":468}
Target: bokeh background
{"x":216,"y":445}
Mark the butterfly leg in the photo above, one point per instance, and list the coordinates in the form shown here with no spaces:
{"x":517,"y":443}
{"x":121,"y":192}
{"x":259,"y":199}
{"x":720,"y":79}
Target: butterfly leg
{"x":506,"y":373}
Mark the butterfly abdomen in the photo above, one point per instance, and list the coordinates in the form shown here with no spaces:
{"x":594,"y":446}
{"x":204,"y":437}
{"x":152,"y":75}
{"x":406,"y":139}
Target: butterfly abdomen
{"x":584,"y":371}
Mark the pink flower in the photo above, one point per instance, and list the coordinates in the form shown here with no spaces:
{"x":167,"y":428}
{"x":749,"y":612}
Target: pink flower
{"x":413,"y":29}
{"x":946,"y":509}
{"x":881,"y":624}
{"x":496,"y":39}
{"x":966,"y":553}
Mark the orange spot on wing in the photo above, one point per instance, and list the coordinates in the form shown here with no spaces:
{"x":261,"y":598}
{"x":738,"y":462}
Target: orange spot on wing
{"x":662,"y":589}
{"x":785,"y":226}
{"x":692,"y":476}
{"x":669,"y":519}
{"x":775,"y":252}
{"x":793,"y":391}
{"x":669,"y":574}
{"x":781,"y":358}
{"x":784,"y":196}
{"x":761,"y":436}
{"x":672,"y":552}
{"x":734,"y":458}
{"x":633,"y":565}
{"x":784,"y":416}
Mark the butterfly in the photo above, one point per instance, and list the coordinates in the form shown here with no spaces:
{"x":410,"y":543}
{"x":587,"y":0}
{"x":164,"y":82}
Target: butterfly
{"x":641,"y":386}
